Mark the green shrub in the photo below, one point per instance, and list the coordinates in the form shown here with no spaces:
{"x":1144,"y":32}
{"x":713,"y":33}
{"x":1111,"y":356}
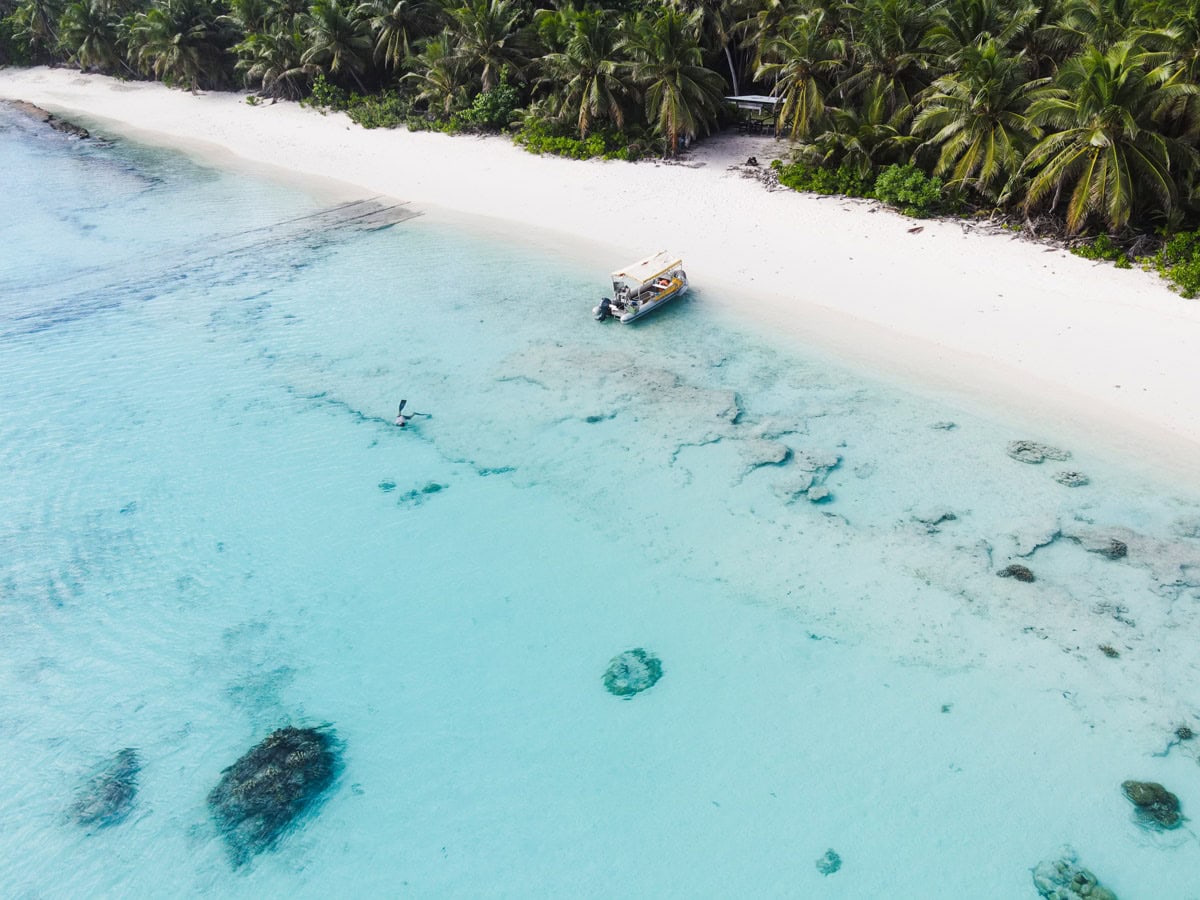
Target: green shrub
{"x":817,"y":180}
{"x":1103,"y":248}
{"x":540,"y":137}
{"x":1179,"y":262}
{"x":325,"y":95}
{"x":492,"y":110}
{"x":386,"y":110}
{"x":910,"y":190}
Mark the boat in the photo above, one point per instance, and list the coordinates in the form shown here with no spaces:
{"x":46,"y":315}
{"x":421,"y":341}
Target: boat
{"x":642,"y":287}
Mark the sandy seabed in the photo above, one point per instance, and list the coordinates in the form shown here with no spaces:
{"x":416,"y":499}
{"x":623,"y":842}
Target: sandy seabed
{"x":1092,"y":352}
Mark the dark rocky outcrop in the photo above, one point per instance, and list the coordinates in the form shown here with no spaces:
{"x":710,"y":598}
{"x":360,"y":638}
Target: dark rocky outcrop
{"x":1156,"y":806}
{"x":36,"y":112}
{"x":1033,"y":452}
{"x":632,"y":672}
{"x":1017,"y":571}
{"x":265,"y":791}
{"x":1065,"y":879}
{"x":107,"y":797}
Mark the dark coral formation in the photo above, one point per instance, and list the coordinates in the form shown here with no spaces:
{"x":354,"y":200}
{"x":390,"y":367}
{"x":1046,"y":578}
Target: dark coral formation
{"x":1111,"y":548}
{"x":632,"y":672}
{"x":1033,"y":452}
{"x":1156,"y":806}
{"x":1017,"y":571}
{"x":265,"y":791}
{"x":107,"y":797}
{"x":829,"y":863}
{"x":1072,"y":479}
{"x":1065,"y":879}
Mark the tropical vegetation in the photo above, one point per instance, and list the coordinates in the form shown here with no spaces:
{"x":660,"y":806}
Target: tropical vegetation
{"x":1078,"y":117}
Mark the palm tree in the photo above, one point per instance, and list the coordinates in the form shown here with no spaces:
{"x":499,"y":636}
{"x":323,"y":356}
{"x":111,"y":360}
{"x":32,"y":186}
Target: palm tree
{"x":718,"y":21}
{"x":274,"y":62}
{"x":1105,"y":147}
{"x":978,"y":117}
{"x":586,"y":78}
{"x":488,"y":37}
{"x":338,"y":40}
{"x":961,"y":24}
{"x":888,"y":56}
{"x":181,"y":42}
{"x":681,"y":96}
{"x":440,"y":75}
{"x":797,"y":61}
{"x":88,"y":34}
{"x":864,"y":137}
{"x":35,"y":26}
{"x":394,"y":24}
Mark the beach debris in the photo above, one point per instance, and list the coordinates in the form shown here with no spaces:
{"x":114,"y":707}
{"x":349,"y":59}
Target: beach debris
{"x":1157,"y":807}
{"x":943,"y":426}
{"x":752,"y":161}
{"x":1035,"y":453}
{"x":107,"y":796}
{"x":1072,"y":479}
{"x":265,"y":791}
{"x":1064,"y":879}
{"x":632,"y":672}
{"x":829,"y":862}
{"x":1110,"y":651}
{"x":1017,"y":571}
{"x":916,"y":229}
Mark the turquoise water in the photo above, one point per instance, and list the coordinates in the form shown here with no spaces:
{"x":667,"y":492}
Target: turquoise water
{"x":210,"y":528}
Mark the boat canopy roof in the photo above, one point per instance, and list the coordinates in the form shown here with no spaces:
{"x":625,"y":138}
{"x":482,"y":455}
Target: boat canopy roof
{"x":647,"y":269}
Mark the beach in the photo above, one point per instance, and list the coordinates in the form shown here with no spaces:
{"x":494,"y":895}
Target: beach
{"x":1081,"y":347}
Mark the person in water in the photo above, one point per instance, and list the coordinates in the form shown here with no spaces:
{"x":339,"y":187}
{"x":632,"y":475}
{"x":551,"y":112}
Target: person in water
{"x":402,"y":418}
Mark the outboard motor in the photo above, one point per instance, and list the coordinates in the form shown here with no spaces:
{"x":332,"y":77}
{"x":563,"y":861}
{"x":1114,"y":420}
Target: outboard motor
{"x":604,"y":310}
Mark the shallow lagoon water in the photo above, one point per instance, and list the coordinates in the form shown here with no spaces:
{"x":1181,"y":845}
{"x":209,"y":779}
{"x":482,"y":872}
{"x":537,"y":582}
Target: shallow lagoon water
{"x":210,"y":528}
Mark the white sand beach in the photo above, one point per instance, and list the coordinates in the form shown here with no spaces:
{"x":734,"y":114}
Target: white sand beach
{"x":1079,"y":346}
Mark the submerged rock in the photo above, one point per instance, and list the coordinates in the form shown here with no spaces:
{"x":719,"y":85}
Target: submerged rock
{"x":1156,"y":806}
{"x":263,"y":793}
{"x":107,"y":797}
{"x":829,"y":863}
{"x":1033,"y":452}
{"x":1017,"y":571}
{"x":632,"y":672}
{"x":1111,"y":548}
{"x":1072,"y":479}
{"x":819,"y":494}
{"x":943,"y":426}
{"x":764,"y":452}
{"x":1065,"y":879}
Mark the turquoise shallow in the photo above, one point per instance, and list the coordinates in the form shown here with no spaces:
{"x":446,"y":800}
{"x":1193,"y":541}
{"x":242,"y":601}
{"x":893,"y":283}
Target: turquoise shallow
{"x":210,"y":528}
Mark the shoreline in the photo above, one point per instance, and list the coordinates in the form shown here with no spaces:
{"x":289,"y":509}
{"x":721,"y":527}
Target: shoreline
{"x":1079,"y":348}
